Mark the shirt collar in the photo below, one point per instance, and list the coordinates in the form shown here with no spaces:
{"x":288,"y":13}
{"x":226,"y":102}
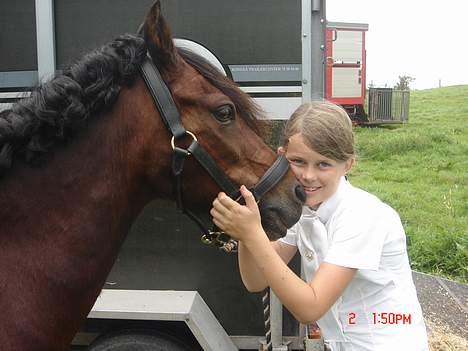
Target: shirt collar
{"x":329,"y":206}
{"x":308,"y":212}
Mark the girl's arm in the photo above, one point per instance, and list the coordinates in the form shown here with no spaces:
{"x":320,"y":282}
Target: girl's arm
{"x":252,"y":277}
{"x":306,"y":301}
{"x":260,"y":262}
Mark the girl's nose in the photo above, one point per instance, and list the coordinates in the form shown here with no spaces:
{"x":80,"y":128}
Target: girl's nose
{"x":309,"y":174}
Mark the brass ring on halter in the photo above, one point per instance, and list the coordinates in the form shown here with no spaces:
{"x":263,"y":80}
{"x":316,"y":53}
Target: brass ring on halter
{"x":186,"y":132}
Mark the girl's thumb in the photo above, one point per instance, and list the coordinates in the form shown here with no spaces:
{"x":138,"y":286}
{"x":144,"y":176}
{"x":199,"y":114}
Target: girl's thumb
{"x":248,"y":197}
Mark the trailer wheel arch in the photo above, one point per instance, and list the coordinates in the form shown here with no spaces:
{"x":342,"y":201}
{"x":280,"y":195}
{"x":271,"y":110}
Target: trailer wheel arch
{"x":201,"y":50}
{"x":137,"y":340}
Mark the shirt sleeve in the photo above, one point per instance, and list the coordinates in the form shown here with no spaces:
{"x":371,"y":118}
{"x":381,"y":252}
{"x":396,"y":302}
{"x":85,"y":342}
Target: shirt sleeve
{"x":357,"y":240}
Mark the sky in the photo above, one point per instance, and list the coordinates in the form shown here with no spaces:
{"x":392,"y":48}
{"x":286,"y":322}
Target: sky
{"x":423,"y":39}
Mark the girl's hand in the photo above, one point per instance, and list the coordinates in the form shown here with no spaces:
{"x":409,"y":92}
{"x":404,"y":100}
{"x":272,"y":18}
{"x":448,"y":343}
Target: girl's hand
{"x":237,"y":220}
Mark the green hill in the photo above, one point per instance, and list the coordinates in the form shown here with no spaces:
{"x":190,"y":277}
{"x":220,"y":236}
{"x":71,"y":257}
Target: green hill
{"x":421,"y":169}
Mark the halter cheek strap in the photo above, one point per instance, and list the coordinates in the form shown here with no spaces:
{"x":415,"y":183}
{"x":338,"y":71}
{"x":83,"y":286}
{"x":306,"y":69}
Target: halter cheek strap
{"x":171,"y":117}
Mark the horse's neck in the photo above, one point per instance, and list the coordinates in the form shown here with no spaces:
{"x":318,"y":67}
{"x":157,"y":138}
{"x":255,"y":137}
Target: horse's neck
{"x":86,"y":188}
{"x":62,"y":224}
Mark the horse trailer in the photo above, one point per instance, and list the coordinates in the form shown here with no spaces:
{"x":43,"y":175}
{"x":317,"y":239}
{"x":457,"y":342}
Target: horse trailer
{"x":271,"y":61}
{"x":165,"y":284}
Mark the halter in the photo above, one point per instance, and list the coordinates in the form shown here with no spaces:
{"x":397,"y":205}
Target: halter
{"x":171,"y":117}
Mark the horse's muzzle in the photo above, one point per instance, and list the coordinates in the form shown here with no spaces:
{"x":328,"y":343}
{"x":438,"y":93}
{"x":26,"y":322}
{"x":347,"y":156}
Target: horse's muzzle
{"x":299,"y":191}
{"x":280,"y":215}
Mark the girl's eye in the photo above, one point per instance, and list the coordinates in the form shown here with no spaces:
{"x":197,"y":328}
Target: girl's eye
{"x":324,"y":165}
{"x":296,"y":161}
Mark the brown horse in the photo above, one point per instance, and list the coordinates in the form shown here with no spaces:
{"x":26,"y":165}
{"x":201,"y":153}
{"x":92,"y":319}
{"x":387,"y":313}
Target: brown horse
{"x":82,"y":156}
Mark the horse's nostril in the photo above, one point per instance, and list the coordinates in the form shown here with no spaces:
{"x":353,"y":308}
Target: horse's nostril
{"x":300,"y":193}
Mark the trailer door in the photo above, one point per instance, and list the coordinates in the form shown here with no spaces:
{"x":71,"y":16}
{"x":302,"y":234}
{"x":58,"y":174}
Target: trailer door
{"x":345,"y":65}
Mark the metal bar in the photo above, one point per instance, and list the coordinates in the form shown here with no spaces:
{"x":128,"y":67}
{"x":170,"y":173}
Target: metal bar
{"x":45,"y":39}
{"x":18,"y":79}
{"x":317,"y":54}
{"x":313,"y":47}
{"x":207,"y":329}
{"x":306,"y":11}
{"x":276,"y":315}
{"x":315,"y":5}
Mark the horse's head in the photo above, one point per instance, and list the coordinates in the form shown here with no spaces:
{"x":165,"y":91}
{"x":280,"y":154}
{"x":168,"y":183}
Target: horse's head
{"x":224,"y":120}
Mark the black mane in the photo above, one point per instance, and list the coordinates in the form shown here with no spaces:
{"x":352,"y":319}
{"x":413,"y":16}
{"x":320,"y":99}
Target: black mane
{"x":56,"y":110}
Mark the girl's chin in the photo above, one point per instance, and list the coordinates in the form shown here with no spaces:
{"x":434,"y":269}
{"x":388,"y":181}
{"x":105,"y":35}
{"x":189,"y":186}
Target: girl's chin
{"x":312,"y":203}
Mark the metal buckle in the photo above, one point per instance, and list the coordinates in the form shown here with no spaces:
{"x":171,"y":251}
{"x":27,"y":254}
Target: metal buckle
{"x":220,"y":240}
{"x":207,"y":239}
{"x":186,"y":132}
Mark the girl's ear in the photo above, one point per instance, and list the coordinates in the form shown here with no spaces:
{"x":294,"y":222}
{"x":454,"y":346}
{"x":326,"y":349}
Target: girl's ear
{"x":349,"y":164}
{"x":280,"y":150}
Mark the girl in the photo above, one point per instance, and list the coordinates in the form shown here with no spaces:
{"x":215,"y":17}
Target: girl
{"x":358,"y":285}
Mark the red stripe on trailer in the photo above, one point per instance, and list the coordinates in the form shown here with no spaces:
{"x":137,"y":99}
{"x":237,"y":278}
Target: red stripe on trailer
{"x":364,"y":67}
{"x":346,"y":65}
{"x":347,"y":100}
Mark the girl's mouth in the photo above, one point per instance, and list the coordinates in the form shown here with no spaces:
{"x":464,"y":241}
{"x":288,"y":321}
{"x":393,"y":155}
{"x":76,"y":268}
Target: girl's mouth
{"x":311,"y":190}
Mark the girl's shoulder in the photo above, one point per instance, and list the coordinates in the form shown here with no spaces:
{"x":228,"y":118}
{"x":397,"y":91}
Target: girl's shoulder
{"x":355,"y":197}
{"x":360,"y":207}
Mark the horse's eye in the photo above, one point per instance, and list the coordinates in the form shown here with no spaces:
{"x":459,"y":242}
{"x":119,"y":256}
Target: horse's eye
{"x":225,"y":114}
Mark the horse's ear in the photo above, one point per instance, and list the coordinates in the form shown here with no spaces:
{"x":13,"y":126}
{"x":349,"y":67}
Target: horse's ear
{"x":158,"y":38}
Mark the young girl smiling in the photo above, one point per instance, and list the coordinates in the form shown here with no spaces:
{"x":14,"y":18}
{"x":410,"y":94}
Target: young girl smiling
{"x":358,"y":285}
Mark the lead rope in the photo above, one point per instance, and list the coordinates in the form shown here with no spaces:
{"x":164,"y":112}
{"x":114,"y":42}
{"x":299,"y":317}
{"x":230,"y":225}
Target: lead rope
{"x":266,"y":317}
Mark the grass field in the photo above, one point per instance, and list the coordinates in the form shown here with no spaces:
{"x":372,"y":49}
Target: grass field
{"x":421,"y":169}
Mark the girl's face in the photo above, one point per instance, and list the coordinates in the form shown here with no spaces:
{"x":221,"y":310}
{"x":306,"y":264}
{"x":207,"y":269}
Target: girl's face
{"x":318,"y":174}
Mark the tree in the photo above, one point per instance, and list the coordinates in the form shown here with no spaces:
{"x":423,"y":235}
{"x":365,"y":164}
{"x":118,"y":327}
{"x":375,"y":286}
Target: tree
{"x":404,"y":82}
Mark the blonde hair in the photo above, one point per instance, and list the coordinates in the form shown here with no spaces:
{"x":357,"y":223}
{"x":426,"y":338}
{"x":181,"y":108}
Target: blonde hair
{"x":325,"y":127}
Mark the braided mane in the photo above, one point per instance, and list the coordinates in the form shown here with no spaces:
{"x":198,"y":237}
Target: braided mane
{"x":59,"y":108}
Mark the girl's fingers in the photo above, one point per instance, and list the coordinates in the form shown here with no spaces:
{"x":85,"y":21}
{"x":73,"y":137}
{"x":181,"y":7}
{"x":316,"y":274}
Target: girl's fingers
{"x":220,"y":208}
{"x":218,"y":223}
{"x":214,"y":213}
{"x":219,"y":220}
{"x":226,"y":201}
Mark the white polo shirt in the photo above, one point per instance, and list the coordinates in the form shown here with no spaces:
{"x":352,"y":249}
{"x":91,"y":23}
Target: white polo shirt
{"x":379,"y":310}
